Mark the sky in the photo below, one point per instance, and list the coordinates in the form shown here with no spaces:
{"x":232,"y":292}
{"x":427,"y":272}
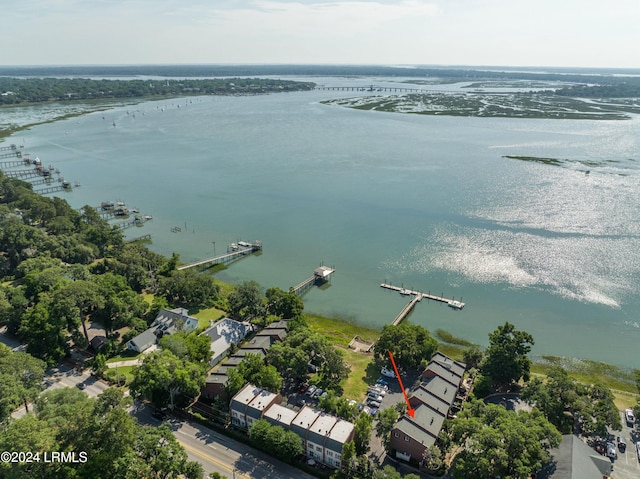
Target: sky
{"x":571,"y":33}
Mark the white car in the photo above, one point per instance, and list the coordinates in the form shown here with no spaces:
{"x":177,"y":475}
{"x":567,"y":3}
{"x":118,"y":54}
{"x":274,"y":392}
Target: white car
{"x":387,"y":373}
{"x":629,"y":416}
{"x":377,"y":391}
{"x":611,"y":451}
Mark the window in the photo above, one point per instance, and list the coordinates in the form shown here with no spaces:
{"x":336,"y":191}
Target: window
{"x":329,"y":454}
{"x":406,"y":438}
{"x":396,"y":434}
{"x":318,"y":448}
{"x":337,"y":463}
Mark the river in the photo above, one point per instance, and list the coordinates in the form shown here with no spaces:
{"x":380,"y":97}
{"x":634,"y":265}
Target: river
{"x":426,"y":202}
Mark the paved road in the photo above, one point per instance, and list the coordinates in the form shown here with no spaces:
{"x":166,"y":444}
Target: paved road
{"x":219,"y":453}
{"x":66,"y":377}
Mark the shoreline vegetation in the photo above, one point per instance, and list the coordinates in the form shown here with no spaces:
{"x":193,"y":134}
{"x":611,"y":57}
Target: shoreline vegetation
{"x":339,"y":330}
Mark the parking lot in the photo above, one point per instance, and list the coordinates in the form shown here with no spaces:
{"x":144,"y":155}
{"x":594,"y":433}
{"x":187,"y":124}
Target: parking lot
{"x":627,"y":465}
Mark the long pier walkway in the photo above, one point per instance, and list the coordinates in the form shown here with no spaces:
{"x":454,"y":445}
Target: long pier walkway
{"x":320,"y":276}
{"x":417,"y":297}
{"x":236,"y":253}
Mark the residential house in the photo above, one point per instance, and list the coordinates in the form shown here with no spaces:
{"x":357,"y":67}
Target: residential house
{"x":217,"y":380}
{"x":432,"y":402}
{"x":223,"y":334}
{"x":249,"y":405}
{"x":323,"y":435}
{"x":168,"y":321}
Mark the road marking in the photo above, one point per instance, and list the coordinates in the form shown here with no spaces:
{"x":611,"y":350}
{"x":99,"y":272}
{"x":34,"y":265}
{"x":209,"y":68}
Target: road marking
{"x":237,"y":474}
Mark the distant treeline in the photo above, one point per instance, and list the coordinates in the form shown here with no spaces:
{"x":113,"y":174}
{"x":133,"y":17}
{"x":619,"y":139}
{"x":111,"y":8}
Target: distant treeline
{"x":15,"y":91}
{"x":37,"y":84}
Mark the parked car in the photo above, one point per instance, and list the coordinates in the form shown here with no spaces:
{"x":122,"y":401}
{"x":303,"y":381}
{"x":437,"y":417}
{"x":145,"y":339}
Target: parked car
{"x":317,"y":393}
{"x":374,"y":397}
{"x":374,"y":403}
{"x":374,"y":411}
{"x":611,"y":451}
{"x":376,"y":390}
{"x":301,"y":402}
{"x":311,"y":390}
{"x":158,"y":414}
{"x":382,"y":383}
{"x":622,"y":444}
{"x":81,"y":386}
{"x":303,"y":387}
{"x":629,"y":417}
{"x":312,"y":368}
{"x":388,"y":373}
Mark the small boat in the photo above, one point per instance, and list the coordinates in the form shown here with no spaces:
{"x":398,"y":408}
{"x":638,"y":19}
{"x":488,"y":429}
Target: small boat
{"x":120,"y":203}
{"x":455,"y":304}
{"x":405,"y":292}
{"x":148,"y":217}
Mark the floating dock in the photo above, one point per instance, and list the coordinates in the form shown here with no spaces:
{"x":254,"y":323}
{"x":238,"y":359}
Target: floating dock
{"x":417,"y":297}
{"x":320,"y":276}
{"x":234,"y":252}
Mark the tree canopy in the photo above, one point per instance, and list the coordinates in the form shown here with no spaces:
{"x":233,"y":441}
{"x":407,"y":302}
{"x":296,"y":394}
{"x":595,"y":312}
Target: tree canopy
{"x":501,"y":443}
{"x":409,"y":343}
{"x":113,"y":445}
{"x":506,"y":359}
{"x":166,"y":380}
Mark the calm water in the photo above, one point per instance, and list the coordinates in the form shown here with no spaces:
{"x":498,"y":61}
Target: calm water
{"x":427,"y":202}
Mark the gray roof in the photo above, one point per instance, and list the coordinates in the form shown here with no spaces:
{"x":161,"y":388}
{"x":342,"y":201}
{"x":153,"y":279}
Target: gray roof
{"x":573,"y":459}
{"x":321,"y":428}
{"x":259,"y":342}
{"x":437,"y":393}
{"x":223,"y":334}
{"x":303,"y":421}
{"x":423,"y":427}
{"x":144,"y":340}
{"x":217,"y":379}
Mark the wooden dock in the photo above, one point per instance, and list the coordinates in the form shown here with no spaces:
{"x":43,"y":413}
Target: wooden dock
{"x":320,"y":276}
{"x":231,"y":255}
{"x":417,"y":297}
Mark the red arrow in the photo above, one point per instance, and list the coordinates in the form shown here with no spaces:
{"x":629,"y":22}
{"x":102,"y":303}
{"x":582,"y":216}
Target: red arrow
{"x":410,"y":410}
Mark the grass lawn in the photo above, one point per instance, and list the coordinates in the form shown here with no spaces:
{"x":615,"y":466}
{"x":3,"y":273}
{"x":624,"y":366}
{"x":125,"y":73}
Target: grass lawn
{"x":339,"y":331}
{"x":125,"y":371}
{"x":126,"y":355}
{"x":209,"y":314}
{"x":362,"y":374}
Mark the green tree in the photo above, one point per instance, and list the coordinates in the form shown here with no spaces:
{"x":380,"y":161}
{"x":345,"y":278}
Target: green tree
{"x":501,"y":443}
{"x":245,"y":301}
{"x":189,"y":289}
{"x":387,"y":419}
{"x":362,"y":433}
{"x":472,"y":356}
{"x":285,"y":304}
{"x":409,"y":343}
{"x":156,"y":453}
{"x":506,"y":359}
{"x":290,"y":362}
{"x":45,"y":334}
{"x":166,"y":380}
{"x":26,"y":373}
{"x":253,"y":370}
{"x":285,"y":445}
{"x":192,"y":347}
